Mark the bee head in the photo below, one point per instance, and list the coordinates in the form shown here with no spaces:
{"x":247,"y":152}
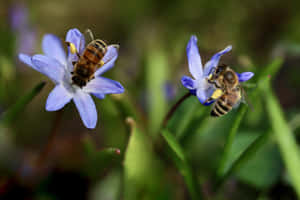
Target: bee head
{"x":230,"y":77}
{"x":78,"y":81}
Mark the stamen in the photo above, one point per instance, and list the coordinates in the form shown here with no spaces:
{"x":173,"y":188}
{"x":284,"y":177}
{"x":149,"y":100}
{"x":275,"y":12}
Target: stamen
{"x":72,"y":48}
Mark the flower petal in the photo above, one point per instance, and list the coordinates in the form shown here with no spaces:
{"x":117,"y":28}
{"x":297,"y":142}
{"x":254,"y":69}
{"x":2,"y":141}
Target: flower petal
{"x":86,"y":108}
{"x":213,"y":62}
{"x":101,"y":85}
{"x":53,"y":48}
{"x":109,"y":59}
{"x":27,"y":60}
{"x":58,"y":98}
{"x":49,"y":67}
{"x":75,"y":36}
{"x":189,"y":83}
{"x":203,"y":95}
{"x":194,"y":59}
{"x":99,"y":96}
{"x":245,"y":76}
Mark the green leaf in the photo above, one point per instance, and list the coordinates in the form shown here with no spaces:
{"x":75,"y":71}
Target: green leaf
{"x":229,"y":141}
{"x":156,"y":72}
{"x":99,"y":160}
{"x":182,"y":164}
{"x":139,"y":162}
{"x":264,"y":169}
{"x":285,"y":138}
{"x":244,"y":157}
{"x":13,"y":112}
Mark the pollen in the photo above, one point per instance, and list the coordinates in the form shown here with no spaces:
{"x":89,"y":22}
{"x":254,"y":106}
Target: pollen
{"x":73,"y":48}
{"x":217,"y":93}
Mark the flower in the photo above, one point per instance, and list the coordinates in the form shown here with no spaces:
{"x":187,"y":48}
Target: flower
{"x":58,"y":67}
{"x":20,"y":24}
{"x":199,"y":86}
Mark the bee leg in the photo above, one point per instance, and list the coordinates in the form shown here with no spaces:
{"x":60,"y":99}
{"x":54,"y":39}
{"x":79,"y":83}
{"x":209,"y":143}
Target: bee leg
{"x":72,"y":72}
{"x":208,"y":100}
{"x":73,"y":63}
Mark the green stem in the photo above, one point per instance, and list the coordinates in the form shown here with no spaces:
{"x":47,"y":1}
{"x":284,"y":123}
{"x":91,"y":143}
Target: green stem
{"x":174,"y":108}
{"x":229,"y":141}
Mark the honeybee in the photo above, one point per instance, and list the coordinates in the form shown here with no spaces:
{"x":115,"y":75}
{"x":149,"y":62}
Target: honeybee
{"x":89,"y":61}
{"x":228,"y":93}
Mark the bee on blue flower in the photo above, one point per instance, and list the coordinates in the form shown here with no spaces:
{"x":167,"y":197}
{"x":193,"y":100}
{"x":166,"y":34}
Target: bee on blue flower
{"x":59,"y":67}
{"x":206,"y":88}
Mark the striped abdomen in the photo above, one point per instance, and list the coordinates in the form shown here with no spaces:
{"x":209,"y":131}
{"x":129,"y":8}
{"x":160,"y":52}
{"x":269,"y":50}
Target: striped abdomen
{"x":95,"y":51}
{"x":221,"y":107}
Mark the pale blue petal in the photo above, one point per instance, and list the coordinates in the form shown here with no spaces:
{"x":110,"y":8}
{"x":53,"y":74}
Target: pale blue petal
{"x":245,"y":76}
{"x":49,"y":67}
{"x":77,"y":38}
{"x":214,"y":61}
{"x":194,"y":59}
{"x":188,"y":83}
{"x":86,"y":108}
{"x":99,"y":96}
{"x":101,"y":85}
{"x":58,"y":98}
{"x":203,"y":95}
{"x":109,"y":59}
{"x":53,"y":48}
{"x":27,"y":60}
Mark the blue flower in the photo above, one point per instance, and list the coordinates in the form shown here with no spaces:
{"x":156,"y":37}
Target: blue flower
{"x":25,"y":33}
{"x":199,"y":86}
{"x":58,"y":67}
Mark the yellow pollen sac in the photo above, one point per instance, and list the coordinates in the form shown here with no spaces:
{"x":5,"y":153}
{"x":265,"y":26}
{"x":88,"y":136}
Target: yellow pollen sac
{"x":210,"y":76}
{"x":73,"y":48}
{"x":101,"y":63}
{"x":217,"y":93}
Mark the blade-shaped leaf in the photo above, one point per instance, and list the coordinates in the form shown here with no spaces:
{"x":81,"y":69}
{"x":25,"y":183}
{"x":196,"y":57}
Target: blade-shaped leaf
{"x":285,"y":137}
{"x":156,"y":75}
{"x":139,"y":162}
{"x":230,"y":139}
{"x":182,"y":165}
{"x":13,"y":112}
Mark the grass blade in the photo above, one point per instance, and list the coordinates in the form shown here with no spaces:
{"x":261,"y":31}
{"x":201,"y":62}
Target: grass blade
{"x":139,"y":161}
{"x":285,"y":138}
{"x":229,"y":141}
{"x":156,"y":74}
{"x":182,"y":165}
{"x":13,"y":112}
{"x":243,"y":158}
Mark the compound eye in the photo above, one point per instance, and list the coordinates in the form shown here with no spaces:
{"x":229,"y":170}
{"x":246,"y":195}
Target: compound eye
{"x":229,"y":77}
{"x":220,"y":69}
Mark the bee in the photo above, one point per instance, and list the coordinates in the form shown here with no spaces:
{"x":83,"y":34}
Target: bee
{"x":228,"y":93}
{"x":89,"y":61}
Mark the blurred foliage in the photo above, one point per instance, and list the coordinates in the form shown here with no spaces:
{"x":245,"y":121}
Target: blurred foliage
{"x":256,"y":144}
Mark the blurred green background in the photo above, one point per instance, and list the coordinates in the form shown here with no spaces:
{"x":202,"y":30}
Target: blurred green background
{"x":128,"y":158}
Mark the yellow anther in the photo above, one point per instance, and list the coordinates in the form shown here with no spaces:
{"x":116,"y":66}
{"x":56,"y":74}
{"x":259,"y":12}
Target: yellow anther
{"x":72,"y":48}
{"x":217,"y":93}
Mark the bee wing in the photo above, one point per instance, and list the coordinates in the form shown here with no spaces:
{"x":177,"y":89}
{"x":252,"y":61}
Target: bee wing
{"x":110,"y":56}
{"x":245,"y":99}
